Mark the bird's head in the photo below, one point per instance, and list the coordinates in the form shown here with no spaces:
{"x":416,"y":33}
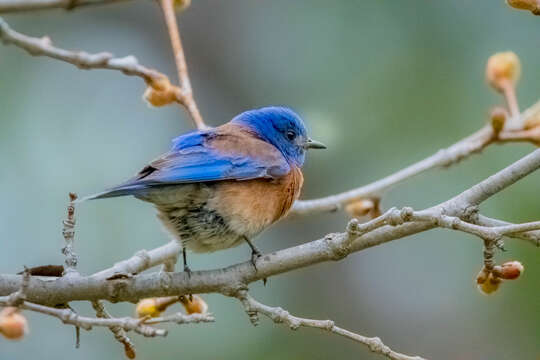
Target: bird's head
{"x":281,"y":127}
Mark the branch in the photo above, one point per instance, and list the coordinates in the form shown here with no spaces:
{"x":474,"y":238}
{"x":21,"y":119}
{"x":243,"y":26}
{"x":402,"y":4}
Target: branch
{"x":83,"y":60}
{"x":532,"y":236}
{"x":68,"y":231}
{"x":180,"y":318}
{"x":142,"y":260}
{"x":11,"y":6}
{"x":160,"y":91}
{"x":491,"y":233}
{"x":442,"y":158}
{"x":140,"y":326}
{"x":68,"y":316}
{"x":181,"y":66}
{"x":118,"y":332}
{"x":227,"y":281}
{"x":280,"y":316}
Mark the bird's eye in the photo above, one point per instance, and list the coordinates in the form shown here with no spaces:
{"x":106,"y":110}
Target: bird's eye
{"x":291,"y":135}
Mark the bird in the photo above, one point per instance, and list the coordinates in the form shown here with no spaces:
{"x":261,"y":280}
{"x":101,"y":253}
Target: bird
{"x":217,"y":188}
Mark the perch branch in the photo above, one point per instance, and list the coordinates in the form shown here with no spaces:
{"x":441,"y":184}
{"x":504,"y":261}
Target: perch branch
{"x":280,"y":316}
{"x":142,"y":260}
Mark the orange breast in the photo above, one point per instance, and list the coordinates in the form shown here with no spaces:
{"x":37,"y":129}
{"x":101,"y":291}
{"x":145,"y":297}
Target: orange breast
{"x":250,"y":206}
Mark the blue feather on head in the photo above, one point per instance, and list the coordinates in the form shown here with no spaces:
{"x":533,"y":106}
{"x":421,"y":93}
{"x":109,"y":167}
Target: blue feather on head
{"x":281,"y":127}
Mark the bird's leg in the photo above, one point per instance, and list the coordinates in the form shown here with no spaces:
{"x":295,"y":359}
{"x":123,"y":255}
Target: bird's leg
{"x":187,"y":270}
{"x":255,"y":254}
{"x":186,"y":267}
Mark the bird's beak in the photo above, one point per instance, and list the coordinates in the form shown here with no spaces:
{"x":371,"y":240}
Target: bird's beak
{"x":312,"y":144}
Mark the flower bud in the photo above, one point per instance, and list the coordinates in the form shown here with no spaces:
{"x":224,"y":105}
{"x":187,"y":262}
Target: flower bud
{"x":158,"y":98}
{"x":482,"y":276}
{"x":161,"y":83}
{"x":503,"y":69}
{"x":532,"y":121}
{"x":160,"y":92}
{"x":147,"y":307}
{"x":129,"y":351}
{"x":13,"y":325}
{"x":359,"y":208}
{"x":490,"y":285}
{"x":510,"y":270}
{"x":498,"y":117}
{"x":181,"y":5}
{"x":194,"y":305}
{"x":153,"y":307}
{"x":531,"y":5}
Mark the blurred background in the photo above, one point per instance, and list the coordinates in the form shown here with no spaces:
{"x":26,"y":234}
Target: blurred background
{"x":382,"y":84}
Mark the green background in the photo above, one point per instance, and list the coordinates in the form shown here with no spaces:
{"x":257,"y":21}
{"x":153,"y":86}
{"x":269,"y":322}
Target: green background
{"x":382,"y":83}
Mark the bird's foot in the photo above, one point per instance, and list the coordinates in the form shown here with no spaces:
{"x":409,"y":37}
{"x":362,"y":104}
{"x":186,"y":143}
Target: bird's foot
{"x":187,"y":270}
{"x":255,"y":255}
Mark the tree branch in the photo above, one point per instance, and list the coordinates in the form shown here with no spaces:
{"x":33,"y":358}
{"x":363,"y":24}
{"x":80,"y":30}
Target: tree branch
{"x":128,"y":65}
{"x":83,"y":60}
{"x":142,"y":260}
{"x":443,"y":158}
{"x":11,"y":6}
{"x":181,"y":66}
{"x":68,"y":316}
{"x":118,"y":332}
{"x":280,"y":316}
{"x":532,"y":236}
{"x":68,"y":231}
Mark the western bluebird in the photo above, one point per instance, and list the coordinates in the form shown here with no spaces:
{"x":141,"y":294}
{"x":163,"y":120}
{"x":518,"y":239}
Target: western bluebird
{"x":219,"y":187}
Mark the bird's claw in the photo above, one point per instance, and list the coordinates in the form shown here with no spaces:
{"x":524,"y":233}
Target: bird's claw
{"x":187,"y":270}
{"x":255,"y":255}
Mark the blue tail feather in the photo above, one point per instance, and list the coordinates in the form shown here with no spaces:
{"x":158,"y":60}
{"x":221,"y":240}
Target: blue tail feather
{"x":125,"y":190}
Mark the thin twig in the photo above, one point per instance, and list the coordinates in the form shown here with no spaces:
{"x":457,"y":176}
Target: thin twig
{"x":128,"y":65}
{"x":181,"y":66}
{"x":118,"y":332}
{"x":280,"y":316}
{"x":11,"y":6}
{"x":142,"y":260}
{"x":443,"y":158}
{"x":68,"y":231}
{"x":532,"y":236}
{"x":83,"y":60}
{"x":179,"y":318}
{"x":509,"y":91}
{"x":68,"y":316}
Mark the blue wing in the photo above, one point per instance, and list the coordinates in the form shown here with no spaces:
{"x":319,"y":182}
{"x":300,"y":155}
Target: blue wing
{"x":195,"y":157}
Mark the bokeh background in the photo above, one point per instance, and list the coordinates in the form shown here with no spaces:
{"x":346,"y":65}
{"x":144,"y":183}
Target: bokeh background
{"x":383,"y":83}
